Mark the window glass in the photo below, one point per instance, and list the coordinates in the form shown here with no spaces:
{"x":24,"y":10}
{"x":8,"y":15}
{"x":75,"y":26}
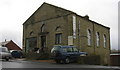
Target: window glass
{"x":58,"y":38}
{"x":64,"y":49}
{"x":104,"y":38}
{"x":89,"y":36}
{"x":75,"y":49}
{"x":3,"y":49}
{"x":55,"y":48}
{"x":98,"y":38}
{"x":69,"y":49}
{"x":0,"y":49}
{"x":74,"y":26}
{"x":31,"y":43}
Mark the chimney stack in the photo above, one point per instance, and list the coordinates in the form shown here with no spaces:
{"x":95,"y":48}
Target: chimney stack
{"x":86,"y":17}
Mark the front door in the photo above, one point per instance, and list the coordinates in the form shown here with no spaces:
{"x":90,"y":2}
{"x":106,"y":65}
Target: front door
{"x":43,"y":42}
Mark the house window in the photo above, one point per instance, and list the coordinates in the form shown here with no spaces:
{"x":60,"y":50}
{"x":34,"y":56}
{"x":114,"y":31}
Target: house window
{"x":43,"y":28}
{"x":31,"y":43}
{"x":105,"y":42}
{"x":89,"y":36}
{"x":98,"y":38}
{"x":58,"y":38}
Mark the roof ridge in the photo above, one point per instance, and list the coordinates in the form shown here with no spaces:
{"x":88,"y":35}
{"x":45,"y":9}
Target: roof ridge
{"x":58,"y":7}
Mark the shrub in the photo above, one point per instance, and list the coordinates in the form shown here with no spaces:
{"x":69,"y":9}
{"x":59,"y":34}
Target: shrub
{"x":23,"y":54}
{"x":44,"y":56}
{"x":44,"y":53}
{"x":38,"y":56}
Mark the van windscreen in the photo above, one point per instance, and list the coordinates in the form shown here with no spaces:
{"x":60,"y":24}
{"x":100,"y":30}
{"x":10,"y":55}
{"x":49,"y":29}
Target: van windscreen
{"x":3,"y":50}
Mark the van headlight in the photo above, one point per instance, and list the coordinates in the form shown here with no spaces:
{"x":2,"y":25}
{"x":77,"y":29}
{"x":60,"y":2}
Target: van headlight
{"x":83,"y":55}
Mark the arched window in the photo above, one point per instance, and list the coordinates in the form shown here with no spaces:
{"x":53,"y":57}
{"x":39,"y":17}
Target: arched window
{"x":98,"y":38}
{"x":58,"y":29}
{"x":31,"y":33}
{"x":58,"y":35}
{"x":43,"y":28}
{"x":89,"y":36}
{"x":105,"y":42}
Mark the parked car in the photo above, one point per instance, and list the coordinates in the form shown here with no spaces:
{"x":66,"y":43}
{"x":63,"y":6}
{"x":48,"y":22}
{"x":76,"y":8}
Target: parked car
{"x":66,"y":54}
{"x":16,"y":53}
{"x":4,"y":53}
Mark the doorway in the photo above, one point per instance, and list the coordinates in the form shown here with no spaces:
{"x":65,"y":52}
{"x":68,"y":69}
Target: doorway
{"x":43,"y":42}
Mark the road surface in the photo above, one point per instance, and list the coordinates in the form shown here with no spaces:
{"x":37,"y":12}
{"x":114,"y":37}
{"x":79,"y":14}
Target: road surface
{"x":34,"y":64}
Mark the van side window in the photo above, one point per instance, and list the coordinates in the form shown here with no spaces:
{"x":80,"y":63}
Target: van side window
{"x":64,"y":49}
{"x":69,"y":50}
{"x":75,"y":49}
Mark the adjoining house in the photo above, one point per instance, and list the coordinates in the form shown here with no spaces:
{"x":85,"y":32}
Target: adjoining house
{"x":10,"y":45}
{"x":50,"y":25}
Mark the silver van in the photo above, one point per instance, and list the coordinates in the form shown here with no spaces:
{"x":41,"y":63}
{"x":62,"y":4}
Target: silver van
{"x":4,"y":53}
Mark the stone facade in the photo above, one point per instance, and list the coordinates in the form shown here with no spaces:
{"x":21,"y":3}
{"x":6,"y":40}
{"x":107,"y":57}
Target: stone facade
{"x":49,"y":22}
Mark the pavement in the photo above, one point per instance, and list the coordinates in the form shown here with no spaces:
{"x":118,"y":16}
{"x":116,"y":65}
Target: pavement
{"x":49,"y":61}
{"x":23,"y":59}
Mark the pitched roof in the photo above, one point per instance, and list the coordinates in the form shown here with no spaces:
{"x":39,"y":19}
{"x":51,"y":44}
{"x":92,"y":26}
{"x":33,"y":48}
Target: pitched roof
{"x":48,"y":5}
{"x":70,"y":12}
{"x":4,"y":43}
{"x":7,"y":44}
{"x":58,"y":7}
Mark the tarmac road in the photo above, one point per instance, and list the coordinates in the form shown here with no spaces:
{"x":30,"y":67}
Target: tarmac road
{"x":17,"y":64}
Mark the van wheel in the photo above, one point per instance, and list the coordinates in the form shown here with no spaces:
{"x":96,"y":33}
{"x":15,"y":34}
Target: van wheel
{"x":67,"y":60}
{"x":7,"y":58}
{"x":59,"y":61}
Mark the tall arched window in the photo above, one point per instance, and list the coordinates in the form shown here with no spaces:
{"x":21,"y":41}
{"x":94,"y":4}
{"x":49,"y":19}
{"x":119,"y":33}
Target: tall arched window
{"x":89,"y":36}
{"x":98,"y":38}
{"x":105,"y":42}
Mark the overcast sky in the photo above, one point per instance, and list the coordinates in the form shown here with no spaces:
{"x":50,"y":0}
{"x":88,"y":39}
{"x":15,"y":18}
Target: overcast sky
{"x":13,"y":13}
